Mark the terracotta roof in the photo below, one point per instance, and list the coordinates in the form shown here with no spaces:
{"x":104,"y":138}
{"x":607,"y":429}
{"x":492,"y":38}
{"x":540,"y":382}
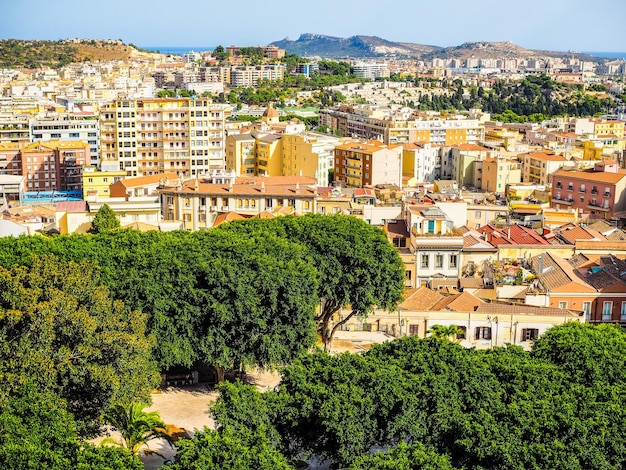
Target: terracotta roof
{"x":516,"y":309}
{"x":522,"y":235}
{"x":473,"y":242}
{"x":611,"y":271}
{"x":592,"y":175}
{"x":580,"y":233}
{"x":471,"y":147}
{"x":71,"y":206}
{"x":558,"y":273}
{"x":545,"y":156}
{"x":421,"y":299}
{"x":227,"y":217}
{"x":150,"y":179}
{"x":462,"y":302}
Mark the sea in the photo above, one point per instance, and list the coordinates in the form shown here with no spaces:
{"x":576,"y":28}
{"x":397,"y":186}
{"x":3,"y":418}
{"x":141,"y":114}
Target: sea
{"x":180,"y":50}
{"x":607,"y":55}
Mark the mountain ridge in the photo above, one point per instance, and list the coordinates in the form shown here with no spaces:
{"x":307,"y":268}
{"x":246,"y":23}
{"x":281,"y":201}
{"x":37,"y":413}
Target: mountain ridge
{"x":361,"y":46}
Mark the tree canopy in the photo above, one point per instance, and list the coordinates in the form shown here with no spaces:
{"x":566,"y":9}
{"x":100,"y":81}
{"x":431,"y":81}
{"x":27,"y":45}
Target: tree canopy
{"x":104,"y":220}
{"x":357,"y":265}
{"x":430,"y":403}
{"x":61,"y":331}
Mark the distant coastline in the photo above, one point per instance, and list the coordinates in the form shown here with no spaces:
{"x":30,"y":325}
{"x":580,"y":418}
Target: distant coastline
{"x":176,"y":50}
{"x":180,"y":50}
{"x":607,"y":55}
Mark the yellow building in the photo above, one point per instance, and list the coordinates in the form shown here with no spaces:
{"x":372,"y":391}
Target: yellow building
{"x":271,"y":155}
{"x":152,"y":136}
{"x":96,"y":183}
{"x":198,"y":202}
{"x":498,"y":172}
{"x":240,"y":154}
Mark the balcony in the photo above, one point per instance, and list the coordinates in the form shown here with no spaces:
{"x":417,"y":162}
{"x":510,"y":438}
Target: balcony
{"x":560,"y":200}
{"x":598,"y":207}
{"x":594,"y":191}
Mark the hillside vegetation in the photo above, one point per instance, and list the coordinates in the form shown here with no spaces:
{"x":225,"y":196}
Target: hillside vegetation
{"x":17,"y":54}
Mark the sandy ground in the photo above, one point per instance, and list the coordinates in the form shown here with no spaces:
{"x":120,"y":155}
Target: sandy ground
{"x":185,"y":408}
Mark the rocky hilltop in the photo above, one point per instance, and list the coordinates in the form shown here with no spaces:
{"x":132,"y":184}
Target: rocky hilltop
{"x":372,"y":46}
{"x":15,"y":53}
{"x":354,"y":46}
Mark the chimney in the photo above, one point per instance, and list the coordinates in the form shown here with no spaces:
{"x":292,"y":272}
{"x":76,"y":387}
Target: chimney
{"x":540,"y":268}
{"x":262,"y":186}
{"x":297,"y":188}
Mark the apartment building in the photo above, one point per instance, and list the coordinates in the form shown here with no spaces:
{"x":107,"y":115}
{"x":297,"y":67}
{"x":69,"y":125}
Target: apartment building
{"x":421,"y":162}
{"x":47,"y":166}
{"x":152,"y":136}
{"x":360,"y":164}
{"x":496,"y":173}
{"x":370,"y":71}
{"x":284,"y":154}
{"x":14,"y":128}
{"x":367,"y":122}
{"x":70,"y":128}
{"x":198,"y":202}
{"x":597,"y":192}
{"x":538,"y":167}
{"x":461,"y":158}
{"x":97,"y":183}
{"x":249,"y":76}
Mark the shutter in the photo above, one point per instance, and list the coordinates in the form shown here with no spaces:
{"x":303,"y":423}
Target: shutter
{"x":477,"y":332}
{"x":524,"y":334}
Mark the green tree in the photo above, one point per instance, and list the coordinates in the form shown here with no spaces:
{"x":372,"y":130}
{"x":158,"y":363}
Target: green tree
{"x":357,"y":265}
{"x":576,"y":347}
{"x":220,"y":54}
{"x":403,"y":457}
{"x":104,"y":220}
{"x":60,"y":329}
{"x":37,"y":431}
{"x":136,"y":426}
{"x":444,"y":331}
{"x":228,"y":449}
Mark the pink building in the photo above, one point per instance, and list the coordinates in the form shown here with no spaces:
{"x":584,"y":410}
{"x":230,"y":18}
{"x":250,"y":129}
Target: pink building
{"x":596,"y":193}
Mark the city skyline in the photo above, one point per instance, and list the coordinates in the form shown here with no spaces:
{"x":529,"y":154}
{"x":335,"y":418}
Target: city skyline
{"x":557,"y":25}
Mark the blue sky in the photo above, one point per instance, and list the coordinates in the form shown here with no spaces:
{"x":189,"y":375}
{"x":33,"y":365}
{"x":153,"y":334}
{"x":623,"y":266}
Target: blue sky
{"x":558,"y":25}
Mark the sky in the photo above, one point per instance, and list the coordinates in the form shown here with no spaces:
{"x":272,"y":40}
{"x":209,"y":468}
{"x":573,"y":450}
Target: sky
{"x":557,"y":25}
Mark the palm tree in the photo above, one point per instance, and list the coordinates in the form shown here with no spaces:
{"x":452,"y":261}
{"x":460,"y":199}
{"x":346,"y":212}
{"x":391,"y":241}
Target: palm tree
{"x":136,"y":426}
{"x":444,"y":332}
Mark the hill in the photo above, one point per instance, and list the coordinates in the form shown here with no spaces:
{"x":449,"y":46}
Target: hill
{"x":371,"y":46}
{"x":16,"y":53}
{"x":355,"y":46}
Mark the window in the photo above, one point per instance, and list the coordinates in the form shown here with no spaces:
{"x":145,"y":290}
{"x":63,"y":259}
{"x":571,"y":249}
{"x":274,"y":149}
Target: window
{"x":607,"y":310}
{"x":424,"y":263}
{"x":582,"y":188}
{"x":530,"y":334}
{"x":477,"y":214}
{"x":461,"y":332}
{"x":413,"y":329}
{"x":452,"y":263}
{"x":483,"y":332}
{"x":623,"y":312}
{"x":587,"y":309}
{"x":438,"y":261}
{"x":407,"y":274}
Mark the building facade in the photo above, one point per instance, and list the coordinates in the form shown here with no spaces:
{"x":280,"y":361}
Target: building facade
{"x":152,"y":136}
{"x":597,"y":192}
